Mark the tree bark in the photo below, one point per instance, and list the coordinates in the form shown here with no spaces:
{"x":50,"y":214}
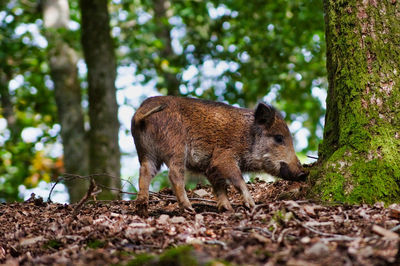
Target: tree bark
{"x":104,"y":126}
{"x":359,"y":159}
{"x":7,"y":105}
{"x":163,"y":32}
{"x":64,"y":73}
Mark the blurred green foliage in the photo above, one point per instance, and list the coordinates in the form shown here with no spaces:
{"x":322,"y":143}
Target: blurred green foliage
{"x":251,"y":48}
{"x":238,"y":51}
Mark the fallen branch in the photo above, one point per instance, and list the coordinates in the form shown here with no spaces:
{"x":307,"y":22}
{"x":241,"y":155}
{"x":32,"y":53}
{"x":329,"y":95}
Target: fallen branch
{"x":339,"y":237}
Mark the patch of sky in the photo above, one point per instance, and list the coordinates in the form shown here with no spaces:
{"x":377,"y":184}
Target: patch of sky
{"x":4,"y":131}
{"x":48,"y":82}
{"x":320,"y":94}
{"x":39,"y":146}
{"x":226,"y":25}
{"x":122,"y":15}
{"x":300,"y":138}
{"x":183,"y":89}
{"x":55,"y":130}
{"x":125,"y":114}
{"x":82,"y":68}
{"x":42,"y":190}
{"x":143,"y":16}
{"x":244,"y":57}
{"x":307,"y":55}
{"x":231,"y":48}
{"x":239,"y":86}
{"x":54,"y":150}
{"x":73,"y":25}
{"x":217,"y":12}
{"x":116,"y":31}
{"x":33,"y":90}
{"x":31,"y":134}
{"x":219,"y":48}
{"x":190,"y":73}
{"x":273,"y":94}
{"x":3,"y":15}
{"x":16,"y":82}
{"x":126,"y":142}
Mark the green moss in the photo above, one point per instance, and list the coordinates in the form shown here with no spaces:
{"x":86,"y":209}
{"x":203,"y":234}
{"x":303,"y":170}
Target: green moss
{"x":359,"y":157}
{"x":177,"y":256}
{"x":96,"y":244}
{"x":143,"y":260}
{"x":56,"y":244}
{"x":348,"y":177}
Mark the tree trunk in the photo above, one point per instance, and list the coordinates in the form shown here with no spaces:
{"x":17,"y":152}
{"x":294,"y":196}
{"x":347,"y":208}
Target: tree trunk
{"x":7,"y":106}
{"x":64,"y":73}
{"x":359,"y":159}
{"x":163,"y":32}
{"x":104,"y":126}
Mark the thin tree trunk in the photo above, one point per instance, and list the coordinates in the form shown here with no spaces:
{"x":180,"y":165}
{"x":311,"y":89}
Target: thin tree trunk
{"x":359,"y":157}
{"x":7,"y":106}
{"x":64,"y":73}
{"x":101,"y":63}
{"x":163,"y":32}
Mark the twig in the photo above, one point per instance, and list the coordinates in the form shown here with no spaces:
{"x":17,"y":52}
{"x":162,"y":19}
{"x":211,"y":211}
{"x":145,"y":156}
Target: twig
{"x":216,"y":242}
{"x":312,"y":157}
{"x":253,"y":212}
{"x":396,"y":228}
{"x":340,"y":237}
{"x":92,"y":186}
{"x":283,"y":233}
{"x":337,"y":238}
{"x":211,"y":213}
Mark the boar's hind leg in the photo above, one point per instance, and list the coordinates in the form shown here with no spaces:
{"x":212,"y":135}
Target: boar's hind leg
{"x":225,"y":167}
{"x":147,"y":171}
{"x":177,"y":177}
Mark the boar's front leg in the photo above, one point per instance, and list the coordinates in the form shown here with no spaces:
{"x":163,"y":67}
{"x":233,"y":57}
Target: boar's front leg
{"x":147,"y":171}
{"x":177,"y":177}
{"x":223,"y":166}
{"x":219,"y":186}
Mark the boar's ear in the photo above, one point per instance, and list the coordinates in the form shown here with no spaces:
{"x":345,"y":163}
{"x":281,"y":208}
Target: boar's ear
{"x":264,"y":115}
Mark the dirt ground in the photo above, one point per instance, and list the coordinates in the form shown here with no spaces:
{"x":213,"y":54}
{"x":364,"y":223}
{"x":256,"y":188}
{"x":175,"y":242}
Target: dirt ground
{"x":284,"y":229}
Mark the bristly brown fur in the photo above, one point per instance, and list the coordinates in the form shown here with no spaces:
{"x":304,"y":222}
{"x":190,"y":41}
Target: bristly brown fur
{"x":215,"y":139}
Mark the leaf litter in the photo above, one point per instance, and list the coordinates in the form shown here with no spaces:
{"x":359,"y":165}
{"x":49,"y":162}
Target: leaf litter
{"x":284,"y":228}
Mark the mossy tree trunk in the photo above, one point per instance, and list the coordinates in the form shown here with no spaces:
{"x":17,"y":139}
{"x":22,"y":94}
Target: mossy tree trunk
{"x":359,"y":159}
{"x":104,"y":125}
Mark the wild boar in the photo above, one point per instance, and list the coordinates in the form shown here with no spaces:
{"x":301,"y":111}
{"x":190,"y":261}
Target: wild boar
{"x":214,"y":139}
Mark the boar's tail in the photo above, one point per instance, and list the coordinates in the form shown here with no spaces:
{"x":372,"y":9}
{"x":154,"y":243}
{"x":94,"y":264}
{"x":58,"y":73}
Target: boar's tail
{"x":139,"y":117}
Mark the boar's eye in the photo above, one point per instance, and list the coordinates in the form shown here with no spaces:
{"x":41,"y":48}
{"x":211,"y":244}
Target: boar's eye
{"x":278,"y":139}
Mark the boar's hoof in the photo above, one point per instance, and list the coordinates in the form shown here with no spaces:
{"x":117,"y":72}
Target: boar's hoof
{"x":187,"y":210}
{"x":224,"y":206}
{"x":141,"y":208}
{"x":249,"y":204}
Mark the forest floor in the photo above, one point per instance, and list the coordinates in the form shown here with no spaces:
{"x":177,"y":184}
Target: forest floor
{"x":284,"y":229}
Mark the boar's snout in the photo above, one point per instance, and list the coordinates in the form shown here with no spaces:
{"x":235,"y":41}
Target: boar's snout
{"x":287,"y":174}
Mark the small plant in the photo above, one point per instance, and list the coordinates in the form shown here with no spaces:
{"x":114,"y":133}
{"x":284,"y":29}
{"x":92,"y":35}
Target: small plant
{"x":94,"y":244}
{"x":55,"y":244}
